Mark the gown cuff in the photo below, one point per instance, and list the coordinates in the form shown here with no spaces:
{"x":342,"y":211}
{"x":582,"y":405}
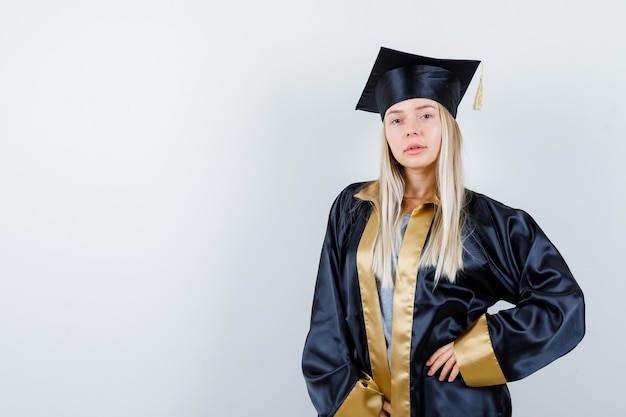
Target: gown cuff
{"x":475,"y":356}
{"x":364,"y":400}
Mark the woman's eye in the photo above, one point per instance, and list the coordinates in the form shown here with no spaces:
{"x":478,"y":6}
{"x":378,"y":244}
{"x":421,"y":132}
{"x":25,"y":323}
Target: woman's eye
{"x":395,"y":121}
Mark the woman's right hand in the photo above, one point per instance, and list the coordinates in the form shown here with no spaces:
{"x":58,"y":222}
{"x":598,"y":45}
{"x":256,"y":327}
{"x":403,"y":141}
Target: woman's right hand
{"x":386,"y":411}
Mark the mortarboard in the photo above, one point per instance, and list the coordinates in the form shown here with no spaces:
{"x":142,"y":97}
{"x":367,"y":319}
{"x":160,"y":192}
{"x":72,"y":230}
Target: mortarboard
{"x":398,"y":76}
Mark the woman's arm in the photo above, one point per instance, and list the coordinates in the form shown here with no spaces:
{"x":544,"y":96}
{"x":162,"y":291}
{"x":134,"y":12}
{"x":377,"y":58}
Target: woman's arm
{"x":548,"y":318}
{"x":335,"y":384}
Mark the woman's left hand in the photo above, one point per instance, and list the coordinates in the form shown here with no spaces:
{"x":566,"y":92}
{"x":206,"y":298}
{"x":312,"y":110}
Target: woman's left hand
{"x":444,"y":356}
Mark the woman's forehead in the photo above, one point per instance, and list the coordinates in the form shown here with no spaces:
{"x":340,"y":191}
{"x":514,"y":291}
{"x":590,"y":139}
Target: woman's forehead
{"x":417,"y":103}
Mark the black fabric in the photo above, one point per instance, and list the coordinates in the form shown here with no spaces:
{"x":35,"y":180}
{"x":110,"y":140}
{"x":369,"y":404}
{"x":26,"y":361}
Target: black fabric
{"x":507,"y":257}
{"x":398,"y":76}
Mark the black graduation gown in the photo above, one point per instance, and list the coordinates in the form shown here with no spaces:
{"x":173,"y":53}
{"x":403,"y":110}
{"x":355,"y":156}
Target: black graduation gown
{"x":507,"y":257}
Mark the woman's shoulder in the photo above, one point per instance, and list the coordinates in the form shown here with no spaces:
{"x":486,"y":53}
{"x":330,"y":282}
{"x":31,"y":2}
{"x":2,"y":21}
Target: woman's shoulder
{"x":355,"y":198}
{"x":369,"y":187}
{"x":349,"y":209}
{"x":356,"y":192}
{"x":481,"y":206}
{"x":474,"y":199}
{"x":487,"y":217}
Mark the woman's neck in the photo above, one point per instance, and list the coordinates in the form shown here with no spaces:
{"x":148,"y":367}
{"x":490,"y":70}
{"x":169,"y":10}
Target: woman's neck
{"x":419,"y":187}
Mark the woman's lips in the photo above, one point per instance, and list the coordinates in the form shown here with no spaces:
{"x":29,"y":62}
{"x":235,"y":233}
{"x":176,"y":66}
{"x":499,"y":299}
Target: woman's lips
{"x":414,"y":148}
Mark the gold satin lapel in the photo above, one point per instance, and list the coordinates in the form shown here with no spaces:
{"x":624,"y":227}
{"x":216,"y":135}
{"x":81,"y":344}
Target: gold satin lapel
{"x":371,"y":307}
{"x":403,"y":305}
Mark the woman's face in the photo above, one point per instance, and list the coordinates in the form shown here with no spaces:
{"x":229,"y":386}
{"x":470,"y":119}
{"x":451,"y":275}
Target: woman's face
{"x":413,"y":132}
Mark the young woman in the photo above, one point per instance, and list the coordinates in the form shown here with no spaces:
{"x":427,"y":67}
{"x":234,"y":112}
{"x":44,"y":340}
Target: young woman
{"x":411,"y":263}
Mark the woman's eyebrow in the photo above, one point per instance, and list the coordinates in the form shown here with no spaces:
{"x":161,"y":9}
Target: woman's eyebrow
{"x":425,"y":106}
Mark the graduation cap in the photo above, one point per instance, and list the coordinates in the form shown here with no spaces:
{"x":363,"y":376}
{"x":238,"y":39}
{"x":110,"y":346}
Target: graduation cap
{"x":399,"y":76}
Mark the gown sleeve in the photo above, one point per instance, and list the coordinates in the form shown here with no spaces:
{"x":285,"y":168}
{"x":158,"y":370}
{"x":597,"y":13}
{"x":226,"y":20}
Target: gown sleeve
{"x":548,"y":318}
{"x":337,"y":386}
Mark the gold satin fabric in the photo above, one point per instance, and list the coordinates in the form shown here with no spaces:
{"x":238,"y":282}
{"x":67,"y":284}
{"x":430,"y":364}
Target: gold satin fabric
{"x":372,"y":316}
{"x":394,"y":383}
{"x":365,"y":400}
{"x":403,"y":307}
{"x":475,"y":356}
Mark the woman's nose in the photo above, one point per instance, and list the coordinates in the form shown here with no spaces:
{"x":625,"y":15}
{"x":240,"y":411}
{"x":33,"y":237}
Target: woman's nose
{"x":412,"y":129}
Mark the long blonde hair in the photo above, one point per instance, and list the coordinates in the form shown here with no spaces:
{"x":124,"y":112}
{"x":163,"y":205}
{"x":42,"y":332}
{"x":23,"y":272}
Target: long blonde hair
{"x":444,"y":248}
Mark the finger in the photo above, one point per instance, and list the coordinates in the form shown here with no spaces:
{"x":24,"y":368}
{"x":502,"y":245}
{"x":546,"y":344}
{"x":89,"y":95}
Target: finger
{"x":437,"y":354}
{"x":447,"y":367}
{"x":387,"y":406}
{"x":433,"y":357}
{"x":454,"y":373}
{"x":440,"y":361}
{"x":439,"y":357}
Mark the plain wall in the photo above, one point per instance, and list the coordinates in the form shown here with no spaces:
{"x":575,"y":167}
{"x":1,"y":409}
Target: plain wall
{"x":166,"y":170}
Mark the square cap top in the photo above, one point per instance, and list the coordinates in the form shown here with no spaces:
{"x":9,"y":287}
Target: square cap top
{"x":398,"y":76}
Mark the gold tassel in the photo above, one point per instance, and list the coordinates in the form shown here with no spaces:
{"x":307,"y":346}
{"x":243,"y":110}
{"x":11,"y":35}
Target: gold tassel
{"x":478,"y":100}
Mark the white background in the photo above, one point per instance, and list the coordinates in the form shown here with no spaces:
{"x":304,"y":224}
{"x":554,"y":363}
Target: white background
{"x":166,"y":170}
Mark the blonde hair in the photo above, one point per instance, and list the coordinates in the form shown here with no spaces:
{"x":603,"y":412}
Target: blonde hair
{"x":444,"y":248}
